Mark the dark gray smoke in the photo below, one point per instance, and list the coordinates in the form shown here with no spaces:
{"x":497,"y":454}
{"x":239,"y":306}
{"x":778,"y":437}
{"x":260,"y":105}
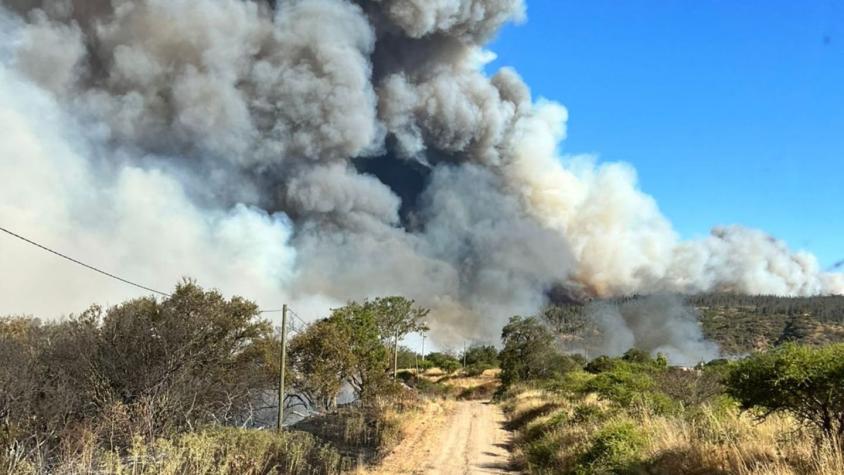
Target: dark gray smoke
{"x":656,"y":324}
{"x":319,"y":150}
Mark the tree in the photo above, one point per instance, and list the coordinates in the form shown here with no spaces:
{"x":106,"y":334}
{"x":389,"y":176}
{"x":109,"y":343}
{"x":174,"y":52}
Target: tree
{"x":397,"y":317}
{"x":408,"y":358}
{"x":807,"y":382}
{"x":320,"y":360}
{"x":143,"y":368}
{"x":190,"y":358}
{"x":485,"y":355}
{"x":529,"y":351}
{"x":443,"y":361}
{"x":360,"y":327}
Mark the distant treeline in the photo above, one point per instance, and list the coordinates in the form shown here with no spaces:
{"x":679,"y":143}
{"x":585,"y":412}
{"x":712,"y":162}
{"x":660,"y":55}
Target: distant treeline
{"x":826,"y":308}
{"x":738,"y":323}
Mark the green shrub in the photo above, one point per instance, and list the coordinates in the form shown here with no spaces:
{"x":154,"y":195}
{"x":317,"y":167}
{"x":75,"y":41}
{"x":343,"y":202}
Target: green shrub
{"x":614,"y":449}
{"x":570,"y":384}
{"x":589,"y":413}
{"x":635,"y":355}
{"x":530,"y":352}
{"x":537,"y":430}
{"x":477,"y":369}
{"x":484,"y":355}
{"x":543,"y":452}
{"x":600,"y":364}
{"x":623,"y":385}
{"x":443,"y":361}
{"x":804,"y":381}
{"x":429,"y":388}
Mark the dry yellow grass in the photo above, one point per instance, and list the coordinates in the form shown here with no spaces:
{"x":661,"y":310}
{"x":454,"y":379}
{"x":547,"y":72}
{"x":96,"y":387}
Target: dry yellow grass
{"x":708,"y":441}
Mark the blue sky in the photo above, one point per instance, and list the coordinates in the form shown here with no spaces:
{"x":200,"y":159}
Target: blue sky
{"x":732,"y":112}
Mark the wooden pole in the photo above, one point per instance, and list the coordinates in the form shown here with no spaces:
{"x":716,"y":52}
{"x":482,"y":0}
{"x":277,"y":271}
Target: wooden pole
{"x":396,"y":356}
{"x":283,"y":365}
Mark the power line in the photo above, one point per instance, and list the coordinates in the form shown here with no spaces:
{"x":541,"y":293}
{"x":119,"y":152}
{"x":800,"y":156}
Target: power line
{"x":100,"y":271}
{"x":289,"y":312}
{"x":297,"y":317}
{"x":75,"y":261}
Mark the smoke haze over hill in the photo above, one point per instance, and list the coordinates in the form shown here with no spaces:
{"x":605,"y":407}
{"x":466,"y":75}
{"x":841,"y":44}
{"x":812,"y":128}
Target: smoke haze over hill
{"x":315,"y":151}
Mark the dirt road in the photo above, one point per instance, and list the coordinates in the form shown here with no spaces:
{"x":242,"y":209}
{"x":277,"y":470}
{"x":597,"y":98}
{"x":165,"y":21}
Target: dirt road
{"x":468,"y":439}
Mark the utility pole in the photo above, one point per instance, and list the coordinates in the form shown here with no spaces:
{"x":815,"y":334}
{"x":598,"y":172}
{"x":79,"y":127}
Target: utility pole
{"x":464,"y":356}
{"x":423,"y":347}
{"x":396,"y":356}
{"x":283,"y":364}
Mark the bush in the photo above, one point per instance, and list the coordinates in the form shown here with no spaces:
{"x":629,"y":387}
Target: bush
{"x":622,"y":385}
{"x":482,"y":355}
{"x":477,"y":369}
{"x":144,"y":368}
{"x":806,"y":382}
{"x":616,"y":448}
{"x":635,"y":355}
{"x":600,"y":364}
{"x":443,"y":361}
{"x":530,"y":353}
{"x":589,"y":413}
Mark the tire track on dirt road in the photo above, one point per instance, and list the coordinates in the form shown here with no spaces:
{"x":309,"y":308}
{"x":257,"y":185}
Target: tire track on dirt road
{"x":470,"y":439}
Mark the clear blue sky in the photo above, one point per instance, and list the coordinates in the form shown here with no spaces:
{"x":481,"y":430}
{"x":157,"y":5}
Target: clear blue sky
{"x":731,"y":111}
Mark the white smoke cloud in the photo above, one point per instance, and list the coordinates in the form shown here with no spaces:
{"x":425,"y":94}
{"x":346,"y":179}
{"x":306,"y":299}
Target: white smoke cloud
{"x":322,"y":150}
{"x":136,"y":222}
{"x":655,"y":324}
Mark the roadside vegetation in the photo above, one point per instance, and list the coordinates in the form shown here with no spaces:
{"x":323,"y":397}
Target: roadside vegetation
{"x":188,"y":385}
{"x":774,"y":412}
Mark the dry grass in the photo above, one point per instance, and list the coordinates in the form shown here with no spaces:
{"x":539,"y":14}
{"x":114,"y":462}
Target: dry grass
{"x":556,"y":433}
{"x":214,"y":451}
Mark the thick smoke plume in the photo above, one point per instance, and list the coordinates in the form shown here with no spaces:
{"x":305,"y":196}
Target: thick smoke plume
{"x":656,"y":324}
{"x":315,"y":151}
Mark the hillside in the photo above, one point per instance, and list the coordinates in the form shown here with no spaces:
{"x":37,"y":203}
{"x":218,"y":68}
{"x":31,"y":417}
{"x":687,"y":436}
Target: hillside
{"x":741,"y":323}
{"x":738,"y":323}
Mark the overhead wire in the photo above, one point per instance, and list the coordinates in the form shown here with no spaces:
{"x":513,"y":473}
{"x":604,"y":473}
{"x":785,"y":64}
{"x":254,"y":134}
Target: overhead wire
{"x":88,"y":266}
{"x":97,"y":269}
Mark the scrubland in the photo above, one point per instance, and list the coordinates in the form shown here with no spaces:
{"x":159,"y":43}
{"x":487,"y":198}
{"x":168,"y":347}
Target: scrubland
{"x":623,"y":421}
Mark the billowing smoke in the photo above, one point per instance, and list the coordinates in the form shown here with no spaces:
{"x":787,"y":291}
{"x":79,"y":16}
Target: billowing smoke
{"x":314,"y":151}
{"x":655,"y":324}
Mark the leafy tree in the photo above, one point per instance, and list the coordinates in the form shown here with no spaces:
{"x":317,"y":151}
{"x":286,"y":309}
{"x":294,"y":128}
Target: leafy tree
{"x":600,"y":364}
{"x":635,"y":355}
{"x":397,"y":317}
{"x":351,"y":346}
{"x":360,"y":326}
{"x":443,"y":361}
{"x":408,"y":358}
{"x":804,"y":381}
{"x":529,"y":351}
{"x":320,"y":361}
{"x":482,"y":355}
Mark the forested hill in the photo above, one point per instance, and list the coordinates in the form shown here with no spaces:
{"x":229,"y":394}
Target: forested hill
{"x":739,"y":323}
{"x":743,"y":323}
